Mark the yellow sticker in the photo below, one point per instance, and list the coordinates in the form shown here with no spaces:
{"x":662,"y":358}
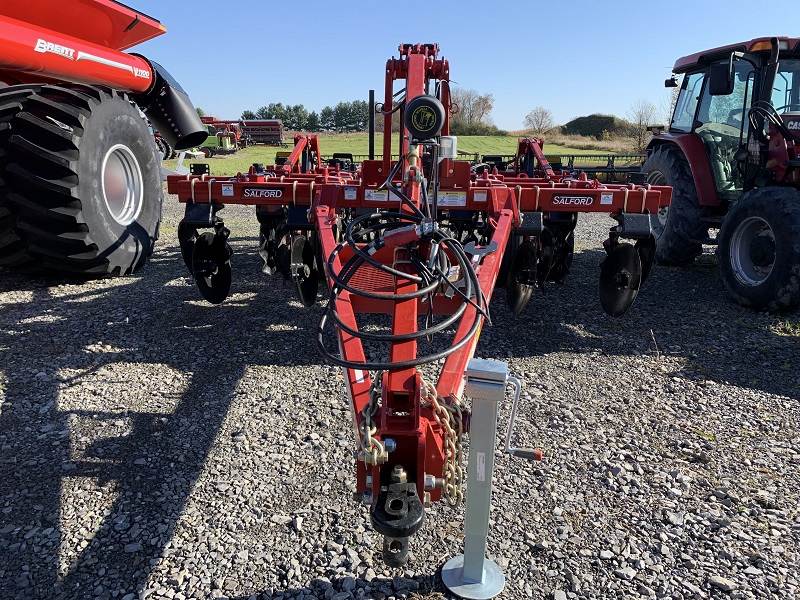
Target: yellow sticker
{"x":423,"y":119}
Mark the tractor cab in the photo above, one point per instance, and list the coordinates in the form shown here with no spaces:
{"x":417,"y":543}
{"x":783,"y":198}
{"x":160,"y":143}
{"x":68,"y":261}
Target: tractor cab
{"x":731,"y":156}
{"x":723,"y":92}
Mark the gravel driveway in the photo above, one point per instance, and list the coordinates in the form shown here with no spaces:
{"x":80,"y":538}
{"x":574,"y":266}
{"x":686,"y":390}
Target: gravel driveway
{"x":152,"y":445}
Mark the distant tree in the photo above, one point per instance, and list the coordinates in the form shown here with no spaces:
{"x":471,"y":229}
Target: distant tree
{"x":200,"y":112}
{"x":341,"y":116}
{"x":539,"y":121}
{"x":294,"y":117}
{"x":641,"y":114}
{"x":312,"y":122}
{"x":261,"y":113}
{"x":667,"y":106}
{"x":248,"y":114}
{"x":327,"y":121}
{"x":473,"y":107}
{"x":359,"y":115}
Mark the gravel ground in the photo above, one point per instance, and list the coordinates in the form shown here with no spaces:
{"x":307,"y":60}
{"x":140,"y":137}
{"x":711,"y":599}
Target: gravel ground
{"x":152,"y":445}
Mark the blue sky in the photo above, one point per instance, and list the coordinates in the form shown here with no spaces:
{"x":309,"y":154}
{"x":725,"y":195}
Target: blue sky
{"x":574,"y":58}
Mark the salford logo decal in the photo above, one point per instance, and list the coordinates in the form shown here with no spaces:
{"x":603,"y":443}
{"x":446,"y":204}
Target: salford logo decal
{"x":573,"y":200}
{"x":262,"y":193}
{"x":45,"y":46}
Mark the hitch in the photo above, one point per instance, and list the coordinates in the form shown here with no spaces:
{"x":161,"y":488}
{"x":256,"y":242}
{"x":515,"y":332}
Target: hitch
{"x":397,"y":515}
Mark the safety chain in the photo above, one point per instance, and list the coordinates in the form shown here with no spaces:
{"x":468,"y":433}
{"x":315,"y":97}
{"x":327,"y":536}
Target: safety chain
{"x":448,"y":416}
{"x":373,"y":452}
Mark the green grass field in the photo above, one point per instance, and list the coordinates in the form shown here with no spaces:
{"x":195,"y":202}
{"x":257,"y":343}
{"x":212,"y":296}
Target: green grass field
{"x":358,"y":143}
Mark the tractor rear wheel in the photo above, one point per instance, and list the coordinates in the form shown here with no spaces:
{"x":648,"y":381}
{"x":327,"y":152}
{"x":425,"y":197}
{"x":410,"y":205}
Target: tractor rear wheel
{"x":679,"y":227}
{"x":80,"y":183}
{"x":759,"y":249}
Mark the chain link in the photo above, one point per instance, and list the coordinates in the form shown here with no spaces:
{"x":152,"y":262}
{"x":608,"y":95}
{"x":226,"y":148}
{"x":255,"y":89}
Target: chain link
{"x":373,"y":452}
{"x":448,"y":416}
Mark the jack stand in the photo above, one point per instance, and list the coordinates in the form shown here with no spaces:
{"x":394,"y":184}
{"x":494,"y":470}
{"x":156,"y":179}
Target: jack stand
{"x":472,"y":575}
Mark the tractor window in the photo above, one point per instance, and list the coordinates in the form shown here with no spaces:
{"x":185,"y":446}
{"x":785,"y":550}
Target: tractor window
{"x":786,"y":91}
{"x":685,"y":107}
{"x":721,"y":124}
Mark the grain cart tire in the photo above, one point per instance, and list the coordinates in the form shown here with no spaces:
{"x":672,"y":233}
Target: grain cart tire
{"x":83,"y":183}
{"x":678,"y":227}
{"x":11,"y":101}
{"x":161,"y":145}
{"x":759,"y":249}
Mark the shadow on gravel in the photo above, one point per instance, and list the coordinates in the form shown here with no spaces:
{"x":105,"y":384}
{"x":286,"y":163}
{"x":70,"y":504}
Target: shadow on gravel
{"x":65,"y":355}
{"x":65,"y":348}
{"x":680,"y":312}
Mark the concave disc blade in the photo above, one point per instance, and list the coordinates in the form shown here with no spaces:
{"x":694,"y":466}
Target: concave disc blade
{"x":647,"y":254}
{"x":187,"y":236}
{"x":521,"y":271}
{"x":307,"y":280}
{"x":620,"y":278}
{"x":212,"y":267}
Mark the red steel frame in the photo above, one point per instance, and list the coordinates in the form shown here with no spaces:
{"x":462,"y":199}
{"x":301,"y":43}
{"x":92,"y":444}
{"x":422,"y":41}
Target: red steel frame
{"x":328,"y":191}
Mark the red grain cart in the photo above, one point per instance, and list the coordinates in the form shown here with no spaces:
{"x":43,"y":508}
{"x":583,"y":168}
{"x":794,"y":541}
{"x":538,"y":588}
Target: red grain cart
{"x":80,"y":179}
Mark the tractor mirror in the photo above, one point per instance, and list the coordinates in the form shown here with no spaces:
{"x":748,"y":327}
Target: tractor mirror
{"x":720,"y":79}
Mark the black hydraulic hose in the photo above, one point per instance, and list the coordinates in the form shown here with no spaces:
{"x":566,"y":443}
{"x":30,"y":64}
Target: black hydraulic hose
{"x":431,"y":280}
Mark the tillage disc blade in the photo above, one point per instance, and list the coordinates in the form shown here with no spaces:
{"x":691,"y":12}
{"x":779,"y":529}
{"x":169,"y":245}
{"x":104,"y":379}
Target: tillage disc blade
{"x":211,"y":267}
{"x":521,"y":277}
{"x":187,"y":236}
{"x":620,"y":278}
{"x":647,"y":254}
{"x":304,"y":270}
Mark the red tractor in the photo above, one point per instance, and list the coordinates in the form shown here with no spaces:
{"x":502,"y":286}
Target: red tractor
{"x":731,"y":157}
{"x":80,"y":180}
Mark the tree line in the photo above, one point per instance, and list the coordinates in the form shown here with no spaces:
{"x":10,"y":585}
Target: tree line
{"x":344,"y":117}
{"x":470,"y":115}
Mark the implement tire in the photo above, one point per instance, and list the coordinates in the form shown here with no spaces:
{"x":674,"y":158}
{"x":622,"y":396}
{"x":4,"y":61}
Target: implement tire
{"x":759,"y":249}
{"x":80,"y":182}
{"x":678,"y":227}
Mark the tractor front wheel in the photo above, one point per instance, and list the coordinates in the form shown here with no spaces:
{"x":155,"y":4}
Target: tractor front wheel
{"x":679,"y":227}
{"x":759,"y":249}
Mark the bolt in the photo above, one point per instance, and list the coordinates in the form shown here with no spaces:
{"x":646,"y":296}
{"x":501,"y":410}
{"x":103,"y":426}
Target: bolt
{"x":426,"y":499}
{"x":399,"y":474}
{"x":390,"y":444}
{"x":432,"y":482}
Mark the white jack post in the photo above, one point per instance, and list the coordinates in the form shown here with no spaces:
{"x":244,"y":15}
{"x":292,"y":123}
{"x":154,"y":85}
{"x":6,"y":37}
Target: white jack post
{"x":471,"y":575}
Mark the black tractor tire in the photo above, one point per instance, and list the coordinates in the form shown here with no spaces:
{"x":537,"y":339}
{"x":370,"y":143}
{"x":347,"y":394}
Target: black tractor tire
{"x":759,"y":249}
{"x":678,"y":231}
{"x":80,"y":182}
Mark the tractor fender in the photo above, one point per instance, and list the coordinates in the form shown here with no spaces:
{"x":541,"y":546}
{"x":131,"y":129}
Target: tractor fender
{"x":697,"y":157}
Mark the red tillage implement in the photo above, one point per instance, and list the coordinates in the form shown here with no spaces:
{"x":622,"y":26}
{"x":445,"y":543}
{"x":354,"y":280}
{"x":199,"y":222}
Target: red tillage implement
{"x":421,"y":241}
